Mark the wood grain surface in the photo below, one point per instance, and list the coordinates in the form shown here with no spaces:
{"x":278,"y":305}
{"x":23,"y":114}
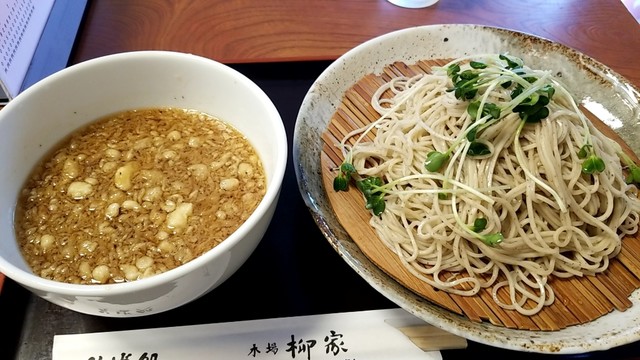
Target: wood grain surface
{"x":246,"y":31}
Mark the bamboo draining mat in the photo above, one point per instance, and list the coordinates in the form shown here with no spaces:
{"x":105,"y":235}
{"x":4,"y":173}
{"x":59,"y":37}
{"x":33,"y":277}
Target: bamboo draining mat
{"x":578,"y":300}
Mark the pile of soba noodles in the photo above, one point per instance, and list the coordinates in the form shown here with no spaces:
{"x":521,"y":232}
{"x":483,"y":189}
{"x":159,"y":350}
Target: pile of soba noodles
{"x":486,"y":174}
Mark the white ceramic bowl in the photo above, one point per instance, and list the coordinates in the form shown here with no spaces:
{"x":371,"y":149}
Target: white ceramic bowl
{"x":45,"y":113}
{"x":598,"y":88}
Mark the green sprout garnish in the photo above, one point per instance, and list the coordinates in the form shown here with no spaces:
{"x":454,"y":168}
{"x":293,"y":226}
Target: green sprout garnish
{"x":371,"y":188}
{"x":341,"y":181}
{"x":533,"y":109}
{"x":633,"y":176}
{"x":466,"y":83}
{"x":453,"y":69}
{"x":478,"y":226}
{"x":488,"y":109}
{"x":591,"y":163}
{"x":512,"y":63}
{"x":584,"y":151}
{"x":530,"y":95}
{"x":477,"y":65}
{"x":435,"y":160}
{"x":477,"y":148}
{"x":492,"y":239}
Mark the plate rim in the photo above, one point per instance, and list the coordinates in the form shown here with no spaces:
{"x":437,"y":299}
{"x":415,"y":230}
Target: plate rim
{"x":521,"y":340}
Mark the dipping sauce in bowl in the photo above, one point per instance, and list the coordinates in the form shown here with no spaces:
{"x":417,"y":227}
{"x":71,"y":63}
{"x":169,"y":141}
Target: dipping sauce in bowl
{"x":138,"y":220}
{"x":136,"y":194}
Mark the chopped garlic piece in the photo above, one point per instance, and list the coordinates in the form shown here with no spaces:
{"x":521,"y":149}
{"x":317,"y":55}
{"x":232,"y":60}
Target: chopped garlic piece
{"x":245,"y":170}
{"x":229,"y":184}
{"x":130,"y":272}
{"x":113,"y":210}
{"x":79,"y":190}
{"x":47,"y":241}
{"x":131,"y":205}
{"x":199,"y":171}
{"x":112,"y":153}
{"x":71,"y":169}
{"x":144,"y":262}
{"x":174,"y":135}
{"x":124,"y":176}
{"x":177,"y":219}
{"x":101,"y":274}
{"x":153,"y":194}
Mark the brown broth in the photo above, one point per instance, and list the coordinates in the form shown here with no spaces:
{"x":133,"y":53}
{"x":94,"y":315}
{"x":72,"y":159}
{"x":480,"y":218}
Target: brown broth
{"x":136,"y":194}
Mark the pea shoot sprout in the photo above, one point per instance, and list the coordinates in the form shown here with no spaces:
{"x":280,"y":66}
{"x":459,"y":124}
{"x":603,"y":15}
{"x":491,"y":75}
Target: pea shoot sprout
{"x":633,"y":176}
{"x":479,"y":224}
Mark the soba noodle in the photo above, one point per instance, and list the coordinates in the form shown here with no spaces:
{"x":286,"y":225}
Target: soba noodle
{"x":509,"y":219}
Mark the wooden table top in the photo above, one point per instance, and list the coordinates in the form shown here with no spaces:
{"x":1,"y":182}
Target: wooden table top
{"x":267,"y":31}
{"x":247,"y":31}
